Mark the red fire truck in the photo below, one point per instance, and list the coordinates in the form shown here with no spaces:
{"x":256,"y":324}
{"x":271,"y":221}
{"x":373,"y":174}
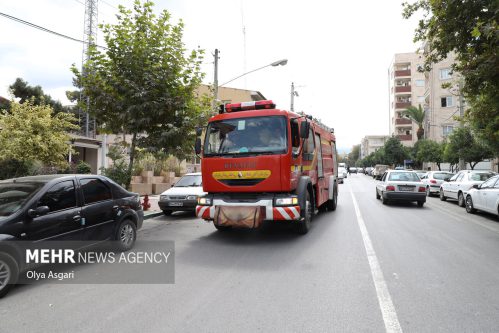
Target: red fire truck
{"x":261,"y":163}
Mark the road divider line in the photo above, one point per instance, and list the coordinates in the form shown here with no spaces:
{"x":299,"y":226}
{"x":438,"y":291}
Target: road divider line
{"x":384,"y":299}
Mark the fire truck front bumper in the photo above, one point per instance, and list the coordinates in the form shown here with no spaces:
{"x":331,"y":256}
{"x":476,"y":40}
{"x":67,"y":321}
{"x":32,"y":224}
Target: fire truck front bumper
{"x":248,"y":213}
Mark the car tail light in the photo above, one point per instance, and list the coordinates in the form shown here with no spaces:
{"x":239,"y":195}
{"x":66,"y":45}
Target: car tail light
{"x":390,"y":188}
{"x":433,"y":181}
{"x":422,"y":189}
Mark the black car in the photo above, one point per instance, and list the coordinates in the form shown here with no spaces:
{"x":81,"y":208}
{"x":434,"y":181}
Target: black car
{"x":63,"y":208}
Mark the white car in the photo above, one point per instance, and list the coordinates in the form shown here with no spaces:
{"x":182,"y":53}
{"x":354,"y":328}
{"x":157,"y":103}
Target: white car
{"x":458,"y":186}
{"x":484,"y":197}
{"x":342,"y":174}
{"x":182,"y":196}
{"x":433,"y":180}
{"x":401,"y":185}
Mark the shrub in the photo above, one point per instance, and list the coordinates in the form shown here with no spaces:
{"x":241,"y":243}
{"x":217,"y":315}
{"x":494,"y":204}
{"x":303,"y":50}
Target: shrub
{"x":83,"y":168}
{"x":12,"y":168}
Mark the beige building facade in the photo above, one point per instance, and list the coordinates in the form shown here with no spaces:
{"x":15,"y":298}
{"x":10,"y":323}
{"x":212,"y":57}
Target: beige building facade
{"x":406,"y":88}
{"x":371,"y":143}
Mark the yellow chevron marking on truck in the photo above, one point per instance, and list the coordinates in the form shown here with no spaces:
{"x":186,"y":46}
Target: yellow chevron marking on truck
{"x":244,"y":174}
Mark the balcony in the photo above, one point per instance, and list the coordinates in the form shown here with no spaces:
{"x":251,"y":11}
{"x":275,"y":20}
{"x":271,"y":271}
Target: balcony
{"x":402,"y":89}
{"x":402,"y":105}
{"x":404,"y":72}
{"x":405,"y":137}
{"x":403,"y":121}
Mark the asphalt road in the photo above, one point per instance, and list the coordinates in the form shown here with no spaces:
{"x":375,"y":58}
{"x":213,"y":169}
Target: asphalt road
{"x":371,"y":269}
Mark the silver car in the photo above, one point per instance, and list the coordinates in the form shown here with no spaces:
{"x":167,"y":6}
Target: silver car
{"x":433,"y":180}
{"x":401,"y":185}
{"x":458,"y":186}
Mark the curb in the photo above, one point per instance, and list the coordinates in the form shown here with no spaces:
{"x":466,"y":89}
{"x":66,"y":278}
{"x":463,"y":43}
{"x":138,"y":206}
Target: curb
{"x":152,"y":215}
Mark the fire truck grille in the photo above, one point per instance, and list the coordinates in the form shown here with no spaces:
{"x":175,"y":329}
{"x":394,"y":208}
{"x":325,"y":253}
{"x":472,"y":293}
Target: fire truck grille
{"x":241,"y":182}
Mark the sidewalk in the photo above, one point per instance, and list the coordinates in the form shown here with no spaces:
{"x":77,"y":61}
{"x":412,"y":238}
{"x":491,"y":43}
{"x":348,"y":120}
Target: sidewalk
{"x":154,"y":210}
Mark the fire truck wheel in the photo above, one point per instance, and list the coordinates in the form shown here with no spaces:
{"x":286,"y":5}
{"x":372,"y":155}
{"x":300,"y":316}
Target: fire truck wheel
{"x":304,"y":224}
{"x":222,"y":227}
{"x":332,"y":203}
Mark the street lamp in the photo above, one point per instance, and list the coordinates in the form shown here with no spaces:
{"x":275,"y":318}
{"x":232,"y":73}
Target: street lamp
{"x":274,"y":64}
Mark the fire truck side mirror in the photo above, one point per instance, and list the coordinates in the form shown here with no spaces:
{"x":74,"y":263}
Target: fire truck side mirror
{"x":197,"y":146}
{"x":199,"y":131}
{"x":304,"y":129}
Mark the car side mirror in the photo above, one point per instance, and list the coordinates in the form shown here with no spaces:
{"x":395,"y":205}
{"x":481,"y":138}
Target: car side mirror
{"x":39,"y":211}
{"x":477,"y":186}
{"x":197,"y":146}
{"x":304,"y":129}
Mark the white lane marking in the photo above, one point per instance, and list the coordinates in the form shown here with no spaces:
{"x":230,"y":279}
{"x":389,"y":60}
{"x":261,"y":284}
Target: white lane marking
{"x":384,"y":299}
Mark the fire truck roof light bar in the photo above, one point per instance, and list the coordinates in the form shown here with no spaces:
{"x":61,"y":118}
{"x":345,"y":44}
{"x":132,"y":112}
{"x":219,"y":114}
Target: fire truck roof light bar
{"x":244,"y":106}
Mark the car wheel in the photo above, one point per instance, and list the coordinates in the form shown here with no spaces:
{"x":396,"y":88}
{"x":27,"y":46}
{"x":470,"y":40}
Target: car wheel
{"x":9,"y":272}
{"x":460,"y":200}
{"x":331,"y":204}
{"x":442,"y":196}
{"x":469,"y":205}
{"x":304,"y":225}
{"x":126,"y":235}
{"x":377,"y":194}
{"x":167,"y":212}
{"x":420,"y":203}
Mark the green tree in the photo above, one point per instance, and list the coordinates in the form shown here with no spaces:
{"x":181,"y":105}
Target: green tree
{"x":354,"y":155}
{"x":33,"y":133}
{"x":22,"y":90}
{"x":417,"y":115}
{"x":429,"y":151}
{"x":144,"y":82}
{"x":394,"y":152}
{"x":463,"y":143}
{"x":469,"y":29}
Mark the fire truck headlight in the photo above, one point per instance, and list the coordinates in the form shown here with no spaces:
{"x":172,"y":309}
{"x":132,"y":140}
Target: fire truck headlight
{"x":204,"y":201}
{"x":290,"y":201}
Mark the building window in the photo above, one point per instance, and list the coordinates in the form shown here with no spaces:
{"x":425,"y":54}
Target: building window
{"x":445,"y":74}
{"x":446,"y":101}
{"x":419,"y":83}
{"x":447,"y":129}
{"x":421,"y":99}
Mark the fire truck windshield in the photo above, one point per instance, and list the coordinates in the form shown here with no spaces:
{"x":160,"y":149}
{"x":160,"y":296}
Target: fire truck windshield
{"x":246,"y":136}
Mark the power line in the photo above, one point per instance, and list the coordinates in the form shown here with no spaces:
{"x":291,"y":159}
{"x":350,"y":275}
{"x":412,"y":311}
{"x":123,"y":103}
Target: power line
{"x":45,"y":29}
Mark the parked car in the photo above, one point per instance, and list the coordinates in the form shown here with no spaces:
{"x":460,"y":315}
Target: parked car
{"x":421,"y":173}
{"x":368,"y":171}
{"x":401,"y":185}
{"x":360,"y":170}
{"x":458,"y":186}
{"x":182,"y":196}
{"x":379,"y":170}
{"x":484,"y":197}
{"x":353,"y":170}
{"x":63,"y":207}
{"x":342,"y":174}
{"x":433,"y":180}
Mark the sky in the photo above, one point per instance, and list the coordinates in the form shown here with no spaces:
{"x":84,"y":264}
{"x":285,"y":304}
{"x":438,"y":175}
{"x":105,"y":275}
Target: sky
{"x":338,"y":52}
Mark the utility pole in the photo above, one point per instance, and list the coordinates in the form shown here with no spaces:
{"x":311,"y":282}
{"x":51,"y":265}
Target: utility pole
{"x":292,"y":106}
{"x":462,"y":163}
{"x":215,"y":81}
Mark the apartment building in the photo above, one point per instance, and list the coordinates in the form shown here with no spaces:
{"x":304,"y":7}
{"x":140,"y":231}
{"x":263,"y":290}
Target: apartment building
{"x":371,"y":143}
{"x":441,"y":104}
{"x":406,"y":88}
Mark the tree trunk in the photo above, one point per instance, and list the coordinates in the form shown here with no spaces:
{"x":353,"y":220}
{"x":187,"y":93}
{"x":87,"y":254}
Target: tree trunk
{"x":420,"y":133}
{"x":132,"y":157}
{"x":438,"y":165}
{"x":472,"y":165}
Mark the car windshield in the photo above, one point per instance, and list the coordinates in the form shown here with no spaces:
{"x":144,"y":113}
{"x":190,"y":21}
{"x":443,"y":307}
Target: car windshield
{"x":13,"y":195}
{"x":404,"y":177}
{"x":441,"y":175}
{"x":480,"y":176}
{"x":186,"y":181}
{"x":242,"y":136}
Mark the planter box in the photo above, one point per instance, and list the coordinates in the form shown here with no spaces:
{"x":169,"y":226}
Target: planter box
{"x":136,"y":179}
{"x":160,"y":188}
{"x":147,"y":174}
{"x":158,"y":179}
{"x":141,"y":188}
